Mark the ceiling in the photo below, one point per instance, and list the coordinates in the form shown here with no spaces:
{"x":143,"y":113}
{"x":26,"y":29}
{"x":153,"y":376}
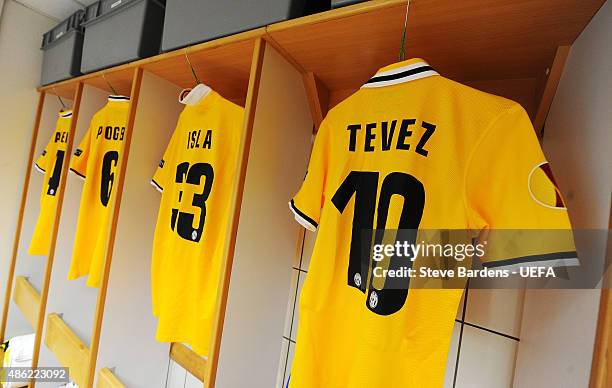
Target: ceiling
{"x":55,"y":9}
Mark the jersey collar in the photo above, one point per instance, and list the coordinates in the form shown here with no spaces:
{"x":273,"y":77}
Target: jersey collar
{"x":118,"y":98}
{"x":397,"y":73}
{"x":65,"y":113}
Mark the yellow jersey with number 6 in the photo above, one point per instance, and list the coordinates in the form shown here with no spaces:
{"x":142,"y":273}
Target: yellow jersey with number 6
{"x":95,"y":160}
{"x":195,"y":177}
{"x":411,"y":150}
{"x":50,"y":164}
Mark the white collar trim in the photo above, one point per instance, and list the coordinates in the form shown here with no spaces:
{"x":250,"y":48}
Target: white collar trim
{"x":401,"y":74}
{"x":118,"y":98}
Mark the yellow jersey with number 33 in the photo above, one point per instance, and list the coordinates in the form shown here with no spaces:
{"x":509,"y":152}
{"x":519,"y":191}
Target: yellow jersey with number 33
{"x":95,"y":160}
{"x":195,"y":178}
{"x":50,"y":164}
{"x":416,"y":151}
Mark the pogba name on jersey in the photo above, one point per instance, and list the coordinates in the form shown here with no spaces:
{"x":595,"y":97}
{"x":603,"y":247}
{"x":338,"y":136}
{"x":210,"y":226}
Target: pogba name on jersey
{"x":405,"y":134}
{"x":111,"y":133}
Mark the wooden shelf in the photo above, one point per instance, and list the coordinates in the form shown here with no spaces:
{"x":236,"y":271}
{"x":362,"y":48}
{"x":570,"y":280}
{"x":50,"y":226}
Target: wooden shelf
{"x":188,"y":359}
{"x":107,"y":379}
{"x":223,"y":64}
{"x":27,"y":298}
{"x":63,"y":89}
{"x":68,"y":348}
{"x":465,"y":40}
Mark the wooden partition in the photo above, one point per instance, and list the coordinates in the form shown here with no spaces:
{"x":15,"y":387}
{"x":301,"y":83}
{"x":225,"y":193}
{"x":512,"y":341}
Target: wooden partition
{"x":27,"y":298}
{"x":21,"y":264}
{"x":61,"y":333}
{"x":266,"y":237}
{"x":78,"y":93}
{"x":127,"y":337}
{"x":107,"y":379}
{"x":67,"y":347}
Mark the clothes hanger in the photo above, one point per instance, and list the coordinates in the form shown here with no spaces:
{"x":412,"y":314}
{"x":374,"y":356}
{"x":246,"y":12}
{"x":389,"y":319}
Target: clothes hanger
{"x":109,"y":85}
{"x":402,"y":50}
{"x":60,"y":100}
{"x":195,"y":95}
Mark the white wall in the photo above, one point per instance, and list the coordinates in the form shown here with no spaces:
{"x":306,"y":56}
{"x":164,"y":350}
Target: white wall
{"x":32,"y":267}
{"x":73,"y":299}
{"x":558,"y":330}
{"x":127,"y":341}
{"x":267,"y":235}
{"x":20,"y":61}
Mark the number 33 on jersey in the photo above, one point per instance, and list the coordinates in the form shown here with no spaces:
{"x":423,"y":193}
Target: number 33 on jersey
{"x":195,"y":178}
{"x":96,"y":160}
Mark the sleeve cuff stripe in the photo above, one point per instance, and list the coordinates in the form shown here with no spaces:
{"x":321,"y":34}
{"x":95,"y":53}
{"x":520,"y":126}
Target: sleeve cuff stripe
{"x":78,"y":173}
{"x":562,"y":258}
{"x":157,"y":186}
{"x":302,"y":218}
{"x":40,"y":169}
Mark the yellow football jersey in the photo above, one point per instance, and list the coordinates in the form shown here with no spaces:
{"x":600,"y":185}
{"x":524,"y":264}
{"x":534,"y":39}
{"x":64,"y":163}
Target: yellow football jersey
{"x":195,"y":178}
{"x":95,"y":160}
{"x":50,"y":164}
{"x":410,"y":150}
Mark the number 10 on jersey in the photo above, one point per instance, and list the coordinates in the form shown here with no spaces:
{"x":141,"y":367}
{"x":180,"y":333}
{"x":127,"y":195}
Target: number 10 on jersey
{"x":363,"y":185}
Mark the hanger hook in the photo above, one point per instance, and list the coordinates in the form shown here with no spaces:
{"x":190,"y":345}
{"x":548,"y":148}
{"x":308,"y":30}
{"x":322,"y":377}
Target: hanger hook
{"x":191,"y":67}
{"x":402,"y":51}
{"x":109,"y":84}
{"x":59,"y":98}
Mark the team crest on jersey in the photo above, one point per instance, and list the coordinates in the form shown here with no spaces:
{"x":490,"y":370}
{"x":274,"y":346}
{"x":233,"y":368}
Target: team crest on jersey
{"x":543,"y":187}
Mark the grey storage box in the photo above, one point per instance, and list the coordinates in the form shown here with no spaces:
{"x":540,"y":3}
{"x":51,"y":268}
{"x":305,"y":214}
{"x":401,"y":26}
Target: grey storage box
{"x":342,"y":3}
{"x":62,"y":50}
{"x":123,"y":30}
{"x":193,"y":21}
{"x":92,"y":11}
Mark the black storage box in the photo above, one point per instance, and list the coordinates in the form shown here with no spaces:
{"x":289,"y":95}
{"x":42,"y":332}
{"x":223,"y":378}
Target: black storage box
{"x":122,"y":31}
{"x":342,"y":3}
{"x":193,"y":21}
{"x":62,"y":48}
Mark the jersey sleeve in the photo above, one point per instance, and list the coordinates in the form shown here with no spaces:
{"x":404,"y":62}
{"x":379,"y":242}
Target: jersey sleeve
{"x":307,"y":203}
{"x":163,"y":176}
{"x":511,"y":192}
{"x":78,"y":162}
{"x":42,"y":163}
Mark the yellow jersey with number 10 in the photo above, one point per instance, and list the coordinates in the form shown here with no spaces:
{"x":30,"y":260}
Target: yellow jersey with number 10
{"x":95,"y":160}
{"x":195,"y":178}
{"x":50,"y":164}
{"x":410,"y":150}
